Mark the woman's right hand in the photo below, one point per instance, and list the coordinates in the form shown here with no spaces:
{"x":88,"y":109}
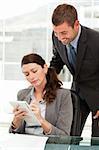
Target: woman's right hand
{"x":19,"y":114}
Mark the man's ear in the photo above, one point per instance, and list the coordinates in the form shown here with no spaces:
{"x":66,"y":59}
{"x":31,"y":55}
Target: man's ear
{"x":76,"y":25}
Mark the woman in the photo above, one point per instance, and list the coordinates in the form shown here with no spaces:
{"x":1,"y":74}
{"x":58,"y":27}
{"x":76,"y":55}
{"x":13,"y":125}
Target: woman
{"x":50,"y":103}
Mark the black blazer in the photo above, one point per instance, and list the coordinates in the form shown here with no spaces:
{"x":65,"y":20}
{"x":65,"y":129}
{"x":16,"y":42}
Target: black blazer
{"x":86,"y":76}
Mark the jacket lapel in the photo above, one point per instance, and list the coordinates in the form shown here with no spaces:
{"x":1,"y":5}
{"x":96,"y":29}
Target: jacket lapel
{"x":50,"y":112}
{"x":81,"y":48}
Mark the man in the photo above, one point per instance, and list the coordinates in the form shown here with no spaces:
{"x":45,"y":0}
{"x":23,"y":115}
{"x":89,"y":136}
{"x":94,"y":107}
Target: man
{"x":83,"y":64}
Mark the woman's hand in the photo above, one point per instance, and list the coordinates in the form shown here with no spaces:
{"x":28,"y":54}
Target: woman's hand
{"x":18,"y":116}
{"x":47,"y":127}
{"x":36,"y":110}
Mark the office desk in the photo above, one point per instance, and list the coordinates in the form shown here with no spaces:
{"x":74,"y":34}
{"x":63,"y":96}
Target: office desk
{"x":72,"y":143}
{"x":30,"y":142}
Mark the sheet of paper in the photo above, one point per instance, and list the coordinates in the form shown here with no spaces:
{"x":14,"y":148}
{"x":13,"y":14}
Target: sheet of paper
{"x":22,"y":142}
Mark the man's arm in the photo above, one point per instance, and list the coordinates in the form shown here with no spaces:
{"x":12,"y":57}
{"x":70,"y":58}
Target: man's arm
{"x":56,"y":61}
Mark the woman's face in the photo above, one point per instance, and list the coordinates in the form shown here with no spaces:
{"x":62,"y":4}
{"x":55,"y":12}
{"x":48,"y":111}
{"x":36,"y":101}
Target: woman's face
{"x":35,"y":74}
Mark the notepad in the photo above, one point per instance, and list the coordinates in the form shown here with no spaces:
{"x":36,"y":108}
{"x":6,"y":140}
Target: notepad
{"x":30,"y":118}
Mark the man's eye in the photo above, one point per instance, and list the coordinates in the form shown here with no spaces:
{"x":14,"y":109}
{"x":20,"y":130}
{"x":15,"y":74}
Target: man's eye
{"x":59,"y":34}
{"x":64,"y":33}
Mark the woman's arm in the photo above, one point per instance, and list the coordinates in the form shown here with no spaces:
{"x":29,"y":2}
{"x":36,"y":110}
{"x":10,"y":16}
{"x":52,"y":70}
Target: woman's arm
{"x":65,"y":115}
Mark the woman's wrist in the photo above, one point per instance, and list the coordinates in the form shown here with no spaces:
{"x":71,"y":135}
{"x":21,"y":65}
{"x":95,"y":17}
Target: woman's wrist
{"x":47,"y":127}
{"x":13,"y":125}
{"x":49,"y":130}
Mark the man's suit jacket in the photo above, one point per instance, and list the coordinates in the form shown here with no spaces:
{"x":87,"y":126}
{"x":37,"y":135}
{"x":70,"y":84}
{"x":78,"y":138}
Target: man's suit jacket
{"x":59,"y":113}
{"x":86,"y":75}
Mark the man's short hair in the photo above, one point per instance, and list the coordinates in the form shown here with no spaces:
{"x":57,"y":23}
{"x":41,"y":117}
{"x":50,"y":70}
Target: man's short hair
{"x":64,"y":12}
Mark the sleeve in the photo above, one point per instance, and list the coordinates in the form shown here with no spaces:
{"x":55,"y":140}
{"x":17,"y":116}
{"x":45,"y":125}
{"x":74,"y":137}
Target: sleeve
{"x":20,"y":130}
{"x":65,"y":116}
{"x":56,"y":61}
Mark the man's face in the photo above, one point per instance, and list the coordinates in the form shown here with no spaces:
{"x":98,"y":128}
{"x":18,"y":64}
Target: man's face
{"x":66,"y":33}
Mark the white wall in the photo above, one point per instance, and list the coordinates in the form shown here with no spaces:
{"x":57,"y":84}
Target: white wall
{"x":8,"y":92}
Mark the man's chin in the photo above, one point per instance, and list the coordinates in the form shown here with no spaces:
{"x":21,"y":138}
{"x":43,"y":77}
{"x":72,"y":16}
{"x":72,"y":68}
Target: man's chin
{"x":64,"y":43}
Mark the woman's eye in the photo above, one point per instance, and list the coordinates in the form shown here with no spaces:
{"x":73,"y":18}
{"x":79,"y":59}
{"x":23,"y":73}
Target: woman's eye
{"x":26,"y":74}
{"x":34,"y":71}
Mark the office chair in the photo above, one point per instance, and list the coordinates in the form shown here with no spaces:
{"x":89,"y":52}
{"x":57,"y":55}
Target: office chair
{"x":75,"y":128}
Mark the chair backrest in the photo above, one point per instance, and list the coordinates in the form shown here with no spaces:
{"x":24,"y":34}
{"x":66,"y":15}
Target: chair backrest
{"x":75,"y":128}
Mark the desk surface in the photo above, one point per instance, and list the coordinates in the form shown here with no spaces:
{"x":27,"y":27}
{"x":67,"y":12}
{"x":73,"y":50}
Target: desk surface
{"x":72,"y":143}
{"x":20,"y":141}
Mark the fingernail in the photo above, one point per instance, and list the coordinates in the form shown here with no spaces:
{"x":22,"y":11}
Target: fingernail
{"x":95,"y":117}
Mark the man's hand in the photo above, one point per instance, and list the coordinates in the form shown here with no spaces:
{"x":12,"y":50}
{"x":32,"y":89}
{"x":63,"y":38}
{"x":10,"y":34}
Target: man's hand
{"x":96,"y":115}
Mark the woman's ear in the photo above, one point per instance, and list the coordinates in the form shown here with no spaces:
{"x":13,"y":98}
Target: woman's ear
{"x":45,"y":68}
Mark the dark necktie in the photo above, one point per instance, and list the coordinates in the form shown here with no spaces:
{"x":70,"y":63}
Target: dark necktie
{"x":72,"y":56}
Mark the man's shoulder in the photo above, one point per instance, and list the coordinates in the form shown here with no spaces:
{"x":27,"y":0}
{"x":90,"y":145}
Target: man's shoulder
{"x":89,"y":30}
{"x":89,"y":35}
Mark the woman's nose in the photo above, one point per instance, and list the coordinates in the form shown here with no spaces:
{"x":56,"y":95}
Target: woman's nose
{"x":32,"y":76}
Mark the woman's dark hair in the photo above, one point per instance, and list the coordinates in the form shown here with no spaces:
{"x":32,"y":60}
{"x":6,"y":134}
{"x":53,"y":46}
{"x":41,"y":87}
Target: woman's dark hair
{"x":53,"y":83}
{"x":64,"y":13}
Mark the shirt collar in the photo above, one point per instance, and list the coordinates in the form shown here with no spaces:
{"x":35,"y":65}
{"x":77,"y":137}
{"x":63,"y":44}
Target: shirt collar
{"x":31,"y":94}
{"x":32,"y":97}
{"x":75,"y":41}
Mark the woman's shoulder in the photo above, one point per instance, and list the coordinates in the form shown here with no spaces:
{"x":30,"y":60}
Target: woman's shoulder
{"x":63,"y":91}
{"x":25,"y":89}
{"x":63,"y":96}
{"x":23,"y":92}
